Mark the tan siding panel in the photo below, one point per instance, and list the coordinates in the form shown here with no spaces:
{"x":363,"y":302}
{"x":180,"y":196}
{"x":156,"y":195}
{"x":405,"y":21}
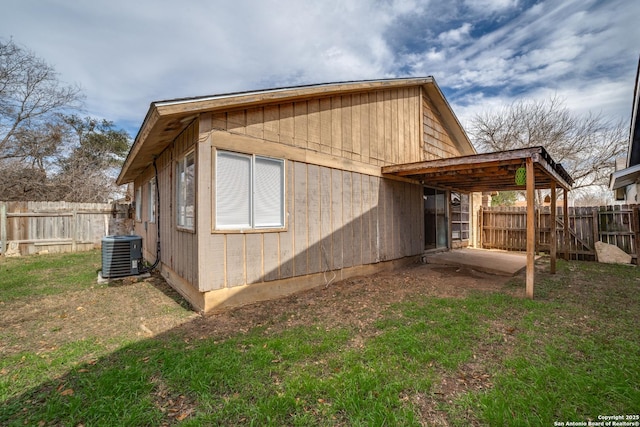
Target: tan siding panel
{"x":255,"y":122}
{"x":326,"y":244}
{"x":286,"y":237}
{"x":286,"y":124}
{"x":388,"y":141}
{"x":301,"y":264}
{"x":347,"y":217}
{"x":326,"y":124}
{"x":237,"y":121}
{"x":216,"y":260}
{"x":389,"y":223}
{"x":219,"y":121}
{"x":365,"y":192}
{"x":313,"y":217}
{"x":347,"y":141}
{"x":271,"y":256}
{"x":395,"y":143}
{"x":300,"y":124}
{"x":375,"y":218}
{"x":336,"y":218}
{"x":254,"y":249}
{"x":365,"y":131}
{"x":356,"y":135}
{"x":272,"y":123}
{"x":437,"y":142}
{"x":235,"y":260}
{"x":336,"y":126}
{"x":313,"y":130}
{"x":356,"y":212}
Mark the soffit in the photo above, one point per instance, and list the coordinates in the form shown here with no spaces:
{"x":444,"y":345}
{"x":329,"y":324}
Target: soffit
{"x":485,"y":172}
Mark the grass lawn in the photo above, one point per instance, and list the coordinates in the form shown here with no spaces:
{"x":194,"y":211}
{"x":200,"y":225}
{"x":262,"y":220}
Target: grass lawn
{"x":487,"y":358}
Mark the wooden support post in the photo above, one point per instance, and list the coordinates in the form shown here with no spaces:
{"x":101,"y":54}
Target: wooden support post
{"x":480,"y":226}
{"x":552,"y":236}
{"x":531,"y":228}
{"x":567,"y":236}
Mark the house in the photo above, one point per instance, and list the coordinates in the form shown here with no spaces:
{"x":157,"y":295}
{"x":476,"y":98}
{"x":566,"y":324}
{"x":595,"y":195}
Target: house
{"x":625,"y":181}
{"x":256,"y":195}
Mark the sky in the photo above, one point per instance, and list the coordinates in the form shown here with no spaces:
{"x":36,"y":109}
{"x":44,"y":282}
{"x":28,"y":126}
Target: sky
{"x":484,"y":54}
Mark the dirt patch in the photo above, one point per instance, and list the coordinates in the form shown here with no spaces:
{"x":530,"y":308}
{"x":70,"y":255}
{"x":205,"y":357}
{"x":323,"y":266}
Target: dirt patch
{"x":355,"y":302}
{"x":129,"y":310}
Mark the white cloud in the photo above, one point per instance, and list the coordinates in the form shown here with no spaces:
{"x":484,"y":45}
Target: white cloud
{"x":490,"y":6}
{"x":126,"y":54}
{"x":455,"y":36}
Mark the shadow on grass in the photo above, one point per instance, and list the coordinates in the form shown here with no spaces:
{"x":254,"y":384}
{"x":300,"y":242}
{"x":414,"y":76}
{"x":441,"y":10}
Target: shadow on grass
{"x":307,"y":375}
{"x":570,"y":356}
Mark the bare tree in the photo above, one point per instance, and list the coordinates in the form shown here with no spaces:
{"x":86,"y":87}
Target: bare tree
{"x":32,"y":99}
{"x":47,"y":152}
{"x":585,"y":146}
{"x":96,"y":149}
{"x":19,"y":182}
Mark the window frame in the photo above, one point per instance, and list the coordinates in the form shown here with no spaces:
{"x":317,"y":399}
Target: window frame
{"x":181,"y":195}
{"x":460,"y":216}
{"x":151,"y":189}
{"x":138,"y":201}
{"x":252,"y":225}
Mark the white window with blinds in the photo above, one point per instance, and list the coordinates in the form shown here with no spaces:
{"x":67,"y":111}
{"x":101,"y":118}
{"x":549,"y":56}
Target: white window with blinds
{"x":139,"y":204}
{"x":186,"y":191}
{"x":249,"y":191}
{"x":151,"y":194}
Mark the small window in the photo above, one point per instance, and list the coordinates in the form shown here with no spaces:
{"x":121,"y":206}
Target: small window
{"x":151,"y":190}
{"x":139,"y":204}
{"x":249,"y":191}
{"x":459,"y":216}
{"x":186,"y":191}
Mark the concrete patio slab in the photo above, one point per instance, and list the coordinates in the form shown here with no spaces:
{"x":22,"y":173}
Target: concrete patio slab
{"x":488,"y":261}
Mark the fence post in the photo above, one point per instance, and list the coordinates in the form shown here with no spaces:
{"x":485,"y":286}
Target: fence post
{"x":3,"y":227}
{"x":596,"y":226}
{"x":635,"y":228}
{"x":74,"y":229}
{"x":565,"y":223}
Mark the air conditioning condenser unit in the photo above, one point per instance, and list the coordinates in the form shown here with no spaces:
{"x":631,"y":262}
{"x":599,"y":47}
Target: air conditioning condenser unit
{"x":121,"y":256}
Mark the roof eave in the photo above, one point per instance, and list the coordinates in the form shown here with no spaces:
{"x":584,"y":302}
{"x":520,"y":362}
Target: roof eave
{"x":180,"y":109}
{"x":624,"y":177}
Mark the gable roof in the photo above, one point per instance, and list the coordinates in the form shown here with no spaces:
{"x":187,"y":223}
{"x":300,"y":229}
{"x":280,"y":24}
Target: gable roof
{"x":166,"y":119}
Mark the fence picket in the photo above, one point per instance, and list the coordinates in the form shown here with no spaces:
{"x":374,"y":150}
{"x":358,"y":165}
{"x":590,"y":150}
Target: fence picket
{"x":59,"y":226}
{"x":616,"y":225}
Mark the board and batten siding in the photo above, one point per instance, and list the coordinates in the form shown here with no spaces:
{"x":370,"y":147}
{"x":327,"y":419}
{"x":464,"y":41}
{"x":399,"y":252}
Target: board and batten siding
{"x":437,"y":142}
{"x":179,"y":250}
{"x":341,"y":213}
{"x":376,"y":128}
{"x":335,"y":219}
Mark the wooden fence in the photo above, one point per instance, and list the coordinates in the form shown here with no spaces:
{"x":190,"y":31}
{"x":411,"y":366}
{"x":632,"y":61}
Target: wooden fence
{"x":505,"y":228}
{"x":37,"y":227}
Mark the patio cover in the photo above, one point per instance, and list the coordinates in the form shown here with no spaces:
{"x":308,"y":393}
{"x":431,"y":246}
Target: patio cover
{"x":497,"y":171}
{"x":485,"y":172}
